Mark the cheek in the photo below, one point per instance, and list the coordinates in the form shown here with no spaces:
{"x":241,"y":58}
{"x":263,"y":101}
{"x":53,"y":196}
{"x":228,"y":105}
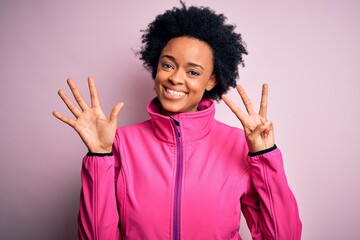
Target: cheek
{"x":160,"y":78}
{"x":157,"y":84}
{"x":197,"y":85}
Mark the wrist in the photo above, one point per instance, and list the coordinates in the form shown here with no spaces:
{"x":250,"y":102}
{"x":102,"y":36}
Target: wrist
{"x":100,"y":150}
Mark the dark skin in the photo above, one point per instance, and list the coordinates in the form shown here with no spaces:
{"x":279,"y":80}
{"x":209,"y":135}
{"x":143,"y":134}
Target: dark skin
{"x":98,"y":132}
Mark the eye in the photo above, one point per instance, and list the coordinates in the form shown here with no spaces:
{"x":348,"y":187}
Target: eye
{"x":194,"y":73}
{"x":167,"y":65}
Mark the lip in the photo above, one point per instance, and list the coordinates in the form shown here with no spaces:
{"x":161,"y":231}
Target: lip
{"x":171,"y":96}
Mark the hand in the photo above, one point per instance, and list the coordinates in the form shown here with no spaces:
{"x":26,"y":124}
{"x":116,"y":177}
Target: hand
{"x":96,"y":131}
{"x":259,"y":132}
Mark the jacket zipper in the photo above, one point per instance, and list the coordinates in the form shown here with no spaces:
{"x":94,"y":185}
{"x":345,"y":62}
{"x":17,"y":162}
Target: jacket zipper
{"x":178,"y":180}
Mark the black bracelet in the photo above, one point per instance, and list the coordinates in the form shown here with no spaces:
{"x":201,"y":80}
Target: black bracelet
{"x":253,"y":154}
{"x":91,"y":154}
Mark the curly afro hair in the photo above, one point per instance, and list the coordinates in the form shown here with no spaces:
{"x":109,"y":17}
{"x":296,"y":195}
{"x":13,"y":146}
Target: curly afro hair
{"x":204,"y":24}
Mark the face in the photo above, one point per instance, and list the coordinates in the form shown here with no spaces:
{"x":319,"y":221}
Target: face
{"x":184,"y":72}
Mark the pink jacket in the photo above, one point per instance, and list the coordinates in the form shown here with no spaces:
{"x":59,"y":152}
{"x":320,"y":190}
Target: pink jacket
{"x":185,"y":177}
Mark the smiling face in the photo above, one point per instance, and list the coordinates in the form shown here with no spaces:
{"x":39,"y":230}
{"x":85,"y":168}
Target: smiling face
{"x":184,"y":72}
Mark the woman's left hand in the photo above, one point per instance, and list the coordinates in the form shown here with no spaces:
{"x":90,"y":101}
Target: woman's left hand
{"x":259,"y":131}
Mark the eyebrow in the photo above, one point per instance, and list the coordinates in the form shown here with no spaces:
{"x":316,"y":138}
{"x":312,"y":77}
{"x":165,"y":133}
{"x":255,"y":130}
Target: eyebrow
{"x":172,"y":58}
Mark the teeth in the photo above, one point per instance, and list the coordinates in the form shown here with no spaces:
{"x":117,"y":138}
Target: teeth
{"x":175,"y":93}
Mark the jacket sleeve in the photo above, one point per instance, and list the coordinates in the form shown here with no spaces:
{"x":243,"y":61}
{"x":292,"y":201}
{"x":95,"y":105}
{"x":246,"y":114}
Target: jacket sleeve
{"x":98,"y":214}
{"x":269,"y":206}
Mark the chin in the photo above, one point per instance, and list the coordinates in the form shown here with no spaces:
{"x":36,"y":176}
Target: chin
{"x":170,"y":109}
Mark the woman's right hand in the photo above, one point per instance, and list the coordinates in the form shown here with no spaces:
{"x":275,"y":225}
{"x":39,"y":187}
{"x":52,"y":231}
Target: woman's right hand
{"x":96,"y":131}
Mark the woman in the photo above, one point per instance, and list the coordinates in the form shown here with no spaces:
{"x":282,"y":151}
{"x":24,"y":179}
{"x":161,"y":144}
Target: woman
{"x":182,"y":174}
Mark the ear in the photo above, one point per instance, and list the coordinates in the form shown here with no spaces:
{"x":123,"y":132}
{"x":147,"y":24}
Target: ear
{"x":211,"y":83}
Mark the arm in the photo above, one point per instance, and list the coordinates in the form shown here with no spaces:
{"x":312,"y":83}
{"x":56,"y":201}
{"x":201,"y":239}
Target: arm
{"x":268,"y":205}
{"x":98,"y":215}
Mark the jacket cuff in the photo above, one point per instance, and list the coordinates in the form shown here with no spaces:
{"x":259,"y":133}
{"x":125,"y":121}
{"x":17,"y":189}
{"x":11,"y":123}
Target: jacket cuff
{"x":253,"y":154}
{"x":90,"y":154}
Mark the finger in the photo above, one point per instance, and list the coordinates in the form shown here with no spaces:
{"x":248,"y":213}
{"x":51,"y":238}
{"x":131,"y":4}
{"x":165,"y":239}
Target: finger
{"x":115,"y":113}
{"x":69,"y":104}
{"x":246,"y":100}
{"x":234,"y":108}
{"x":264,"y":101}
{"x":263,"y":128}
{"x":269,"y":131}
{"x":95,"y":102}
{"x":77,"y":95}
{"x":64,"y":119}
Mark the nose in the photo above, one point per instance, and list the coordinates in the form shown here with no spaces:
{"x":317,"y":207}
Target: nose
{"x":176,"y":77}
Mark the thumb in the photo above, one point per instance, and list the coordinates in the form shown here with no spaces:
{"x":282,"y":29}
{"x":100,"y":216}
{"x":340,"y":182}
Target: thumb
{"x":262,"y":128}
{"x":115,"y":113}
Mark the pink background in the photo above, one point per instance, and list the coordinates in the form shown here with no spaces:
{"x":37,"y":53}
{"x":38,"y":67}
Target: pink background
{"x":308,"y":52}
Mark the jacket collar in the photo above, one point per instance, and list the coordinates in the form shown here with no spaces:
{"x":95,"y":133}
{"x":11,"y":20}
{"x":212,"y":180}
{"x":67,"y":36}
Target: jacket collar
{"x":193,"y":126}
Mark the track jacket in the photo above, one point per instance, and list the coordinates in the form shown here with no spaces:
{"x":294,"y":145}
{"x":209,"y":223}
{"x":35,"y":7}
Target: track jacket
{"x":185,"y":177}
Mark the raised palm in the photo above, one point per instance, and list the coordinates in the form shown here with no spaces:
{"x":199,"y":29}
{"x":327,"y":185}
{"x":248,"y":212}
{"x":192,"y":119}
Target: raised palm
{"x":259,"y":131}
{"x":96,"y":131}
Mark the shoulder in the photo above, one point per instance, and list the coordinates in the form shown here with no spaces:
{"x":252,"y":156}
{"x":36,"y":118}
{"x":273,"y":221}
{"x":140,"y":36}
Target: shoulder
{"x":228,"y":134}
{"x":132,"y":133}
{"x":222,"y":127}
{"x":137,"y":127}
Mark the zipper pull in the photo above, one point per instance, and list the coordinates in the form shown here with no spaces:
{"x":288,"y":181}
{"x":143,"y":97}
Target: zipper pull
{"x":176,"y":122}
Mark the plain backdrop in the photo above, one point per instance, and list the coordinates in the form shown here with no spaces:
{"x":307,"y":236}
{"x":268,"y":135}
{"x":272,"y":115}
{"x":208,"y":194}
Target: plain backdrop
{"x":308,"y":52}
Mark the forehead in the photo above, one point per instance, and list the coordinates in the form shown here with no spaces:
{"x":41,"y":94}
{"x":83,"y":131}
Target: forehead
{"x":187,"y":48}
